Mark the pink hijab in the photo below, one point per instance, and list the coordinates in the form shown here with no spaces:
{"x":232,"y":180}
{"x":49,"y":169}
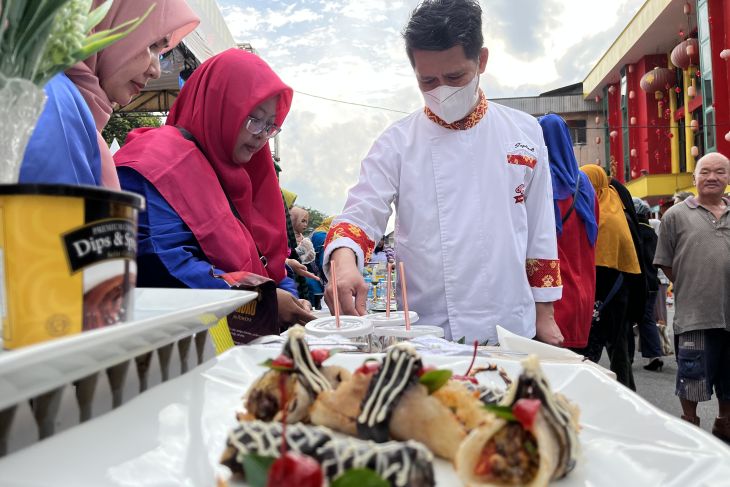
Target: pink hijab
{"x":169,"y":17}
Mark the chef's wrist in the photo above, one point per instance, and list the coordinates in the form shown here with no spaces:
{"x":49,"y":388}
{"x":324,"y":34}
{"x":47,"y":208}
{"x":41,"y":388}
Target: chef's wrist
{"x":343,"y":256}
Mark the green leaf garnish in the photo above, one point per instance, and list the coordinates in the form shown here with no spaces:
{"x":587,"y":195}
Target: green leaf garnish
{"x":257,"y":469}
{"x":504,"y":412}
{"x":435,"y":379}
{"x":530,"y":448}
{"x":359,"y":477}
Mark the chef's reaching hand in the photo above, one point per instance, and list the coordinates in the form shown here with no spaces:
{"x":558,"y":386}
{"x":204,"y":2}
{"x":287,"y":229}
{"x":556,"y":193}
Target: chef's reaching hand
{"x":546,"y":328}
{"x":350,"y":283}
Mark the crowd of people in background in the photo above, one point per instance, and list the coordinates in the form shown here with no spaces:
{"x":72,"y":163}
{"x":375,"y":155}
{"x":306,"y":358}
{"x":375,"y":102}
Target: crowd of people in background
{"x":484,"y":245}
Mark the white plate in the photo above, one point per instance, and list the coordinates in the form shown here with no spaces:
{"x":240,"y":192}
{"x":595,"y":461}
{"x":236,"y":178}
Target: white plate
{"x":173,"y":434}
{"x":161,"y":316}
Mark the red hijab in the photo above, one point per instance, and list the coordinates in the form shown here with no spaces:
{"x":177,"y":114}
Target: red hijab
{"x":213,"y":105}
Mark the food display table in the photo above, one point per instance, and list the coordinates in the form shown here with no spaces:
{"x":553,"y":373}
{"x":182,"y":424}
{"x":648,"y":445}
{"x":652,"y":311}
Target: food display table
{"x":174,"y":434}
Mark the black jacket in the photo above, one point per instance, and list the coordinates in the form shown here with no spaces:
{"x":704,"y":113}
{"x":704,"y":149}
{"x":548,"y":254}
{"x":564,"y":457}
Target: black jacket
{"x":637,"y":283}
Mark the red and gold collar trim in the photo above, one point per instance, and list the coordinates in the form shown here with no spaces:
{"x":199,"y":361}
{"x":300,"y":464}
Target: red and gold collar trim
{"x":467,"y":122}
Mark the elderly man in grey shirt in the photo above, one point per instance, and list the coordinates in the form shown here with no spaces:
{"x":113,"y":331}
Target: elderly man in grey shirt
{"x":694,"y":252}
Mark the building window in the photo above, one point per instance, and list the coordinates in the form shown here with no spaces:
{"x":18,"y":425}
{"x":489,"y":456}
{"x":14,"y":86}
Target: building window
{"x":625,"y":124}
{"x":577,"y":131}
{"x":703,"y":30}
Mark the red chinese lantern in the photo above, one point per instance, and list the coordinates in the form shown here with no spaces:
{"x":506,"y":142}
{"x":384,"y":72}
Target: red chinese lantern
{"x":634,"y":174}
{"x":598,"y":120}
{"x":598,"y":140}
{"x":685,"y":54}
{"x":695,"y":151}
{"x":612,"y":89}
{"x":631,"y":68}
{"x":725,"y":54}
{"x":598,"y":99}
{"x":657,"y":80}
{"x":632,"y":94}
{"x":687,"y":8}
{"x":694,"y":125}
{"x":632,"y":120}
{"x":613,"y":134}
{"x":727,"y":136}
{"x":633,"y":153}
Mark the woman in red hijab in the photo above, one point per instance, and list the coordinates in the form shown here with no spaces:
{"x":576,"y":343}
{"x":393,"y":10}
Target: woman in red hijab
{"x":213,"y":200}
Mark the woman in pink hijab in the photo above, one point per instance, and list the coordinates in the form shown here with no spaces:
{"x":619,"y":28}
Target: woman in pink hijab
{"x":67,"y":146}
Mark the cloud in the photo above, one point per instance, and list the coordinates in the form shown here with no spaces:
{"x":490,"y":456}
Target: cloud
{"x":351,"y":50}
{"x":522,"y":25}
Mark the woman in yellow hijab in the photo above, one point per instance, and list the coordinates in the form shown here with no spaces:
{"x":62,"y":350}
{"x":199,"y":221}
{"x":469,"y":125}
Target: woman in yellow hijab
{"x":614,"y":246}
{"x":616,"y":259}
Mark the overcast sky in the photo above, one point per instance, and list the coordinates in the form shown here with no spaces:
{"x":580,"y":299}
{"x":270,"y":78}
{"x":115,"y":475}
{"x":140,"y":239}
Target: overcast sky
{"x":351,"y":50}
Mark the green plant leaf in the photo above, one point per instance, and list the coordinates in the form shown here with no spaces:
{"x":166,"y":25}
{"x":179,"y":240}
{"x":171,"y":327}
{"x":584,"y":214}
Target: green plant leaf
{"x":359,"y":477}
{"x":256,"y":469}
{"x":504,"y":412}
{"x":435,"y":379}
{"x":97,"y":15}
{"x":95,"y":43}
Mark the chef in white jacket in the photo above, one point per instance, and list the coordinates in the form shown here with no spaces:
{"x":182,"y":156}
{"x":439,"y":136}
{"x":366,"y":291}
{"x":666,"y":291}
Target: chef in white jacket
{"x":471,"y":185}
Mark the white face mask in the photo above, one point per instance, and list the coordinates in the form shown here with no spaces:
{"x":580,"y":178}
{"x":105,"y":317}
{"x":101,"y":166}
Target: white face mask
{"x":452,"y":103}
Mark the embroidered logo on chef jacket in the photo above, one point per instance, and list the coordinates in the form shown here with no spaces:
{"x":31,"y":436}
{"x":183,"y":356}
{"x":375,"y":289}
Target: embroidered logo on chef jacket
{"x":519,"y":194}
{"x":522,"y":155}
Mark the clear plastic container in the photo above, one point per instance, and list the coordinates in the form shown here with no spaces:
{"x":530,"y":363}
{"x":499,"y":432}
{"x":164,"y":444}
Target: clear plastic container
{"x":397,"y":318}
{"x":358,"y":329}
{"x":385,"y":336}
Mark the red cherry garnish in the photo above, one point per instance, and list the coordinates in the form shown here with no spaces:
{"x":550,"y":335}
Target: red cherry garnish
{"x":425,"y":369}
{"x":369,"y":367}
{"x":320,"y":355}
{"x":283,"y":362}
{"x":525,"y":411}
{"x":295,"y":470}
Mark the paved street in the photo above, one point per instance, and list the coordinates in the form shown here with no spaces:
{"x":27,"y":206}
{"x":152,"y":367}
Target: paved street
{"x":658,"y":387}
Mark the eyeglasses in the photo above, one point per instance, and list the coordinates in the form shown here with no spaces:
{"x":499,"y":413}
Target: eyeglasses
{"x":255,"y":126}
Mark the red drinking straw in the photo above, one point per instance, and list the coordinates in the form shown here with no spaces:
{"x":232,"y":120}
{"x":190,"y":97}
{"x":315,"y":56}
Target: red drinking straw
{"x":388,"y":290}
{"x":334,"y":293}
{"x":405,"y":295}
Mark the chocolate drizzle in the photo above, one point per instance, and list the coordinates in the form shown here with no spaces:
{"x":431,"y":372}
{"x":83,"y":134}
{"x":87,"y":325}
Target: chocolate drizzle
{"x":402,"y":464}
{"x":307,"y":371}
{"x":398,"y":372}
{"x":532,"y":385}
{"x":264,"y":439}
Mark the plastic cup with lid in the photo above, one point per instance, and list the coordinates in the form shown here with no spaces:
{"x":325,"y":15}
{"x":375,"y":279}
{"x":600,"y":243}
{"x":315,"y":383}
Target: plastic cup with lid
{"x":385,"y":336}
{"x":397,"y":318}
{"x":356,"y":328}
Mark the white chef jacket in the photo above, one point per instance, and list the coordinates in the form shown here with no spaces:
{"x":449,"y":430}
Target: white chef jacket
{"x":474,"y":215}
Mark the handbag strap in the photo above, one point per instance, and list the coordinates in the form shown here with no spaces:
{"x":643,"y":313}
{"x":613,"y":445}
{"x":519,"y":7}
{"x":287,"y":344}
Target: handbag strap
{"x":612,"y":292}
{"x":188,"y":136}
{"x":572,"y":204}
